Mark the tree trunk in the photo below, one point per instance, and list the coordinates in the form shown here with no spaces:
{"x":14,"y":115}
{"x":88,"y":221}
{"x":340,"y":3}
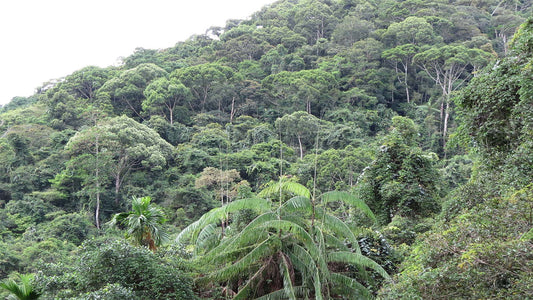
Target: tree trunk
{"x":97,"y":173}
{"x":97,"y":177}
{"x":97,"y":211}
{"x":406,"y":86}
{"x":301,"y":148}
{"x":232,"y":114}
{"x":117,"y":187}
{"x":445,"y":129}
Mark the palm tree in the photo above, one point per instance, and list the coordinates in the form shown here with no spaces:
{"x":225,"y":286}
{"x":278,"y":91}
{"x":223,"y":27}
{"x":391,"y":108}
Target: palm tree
{"x":293,"y":249}
{"x":143,"y":223}
{"x":23,"y":291}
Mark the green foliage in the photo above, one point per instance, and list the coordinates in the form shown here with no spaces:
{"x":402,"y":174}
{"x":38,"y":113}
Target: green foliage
{"x":22,"y":291}
{"x":326,"y":80}
{"x":71,"y":227}
{"x":143,"y":223}
{"x":402,"y":180}
{"x":480,"y":248}
{"x":294,"y":248}
{"x":299,"y":128}
{"x":113,"y":291}
{"x":477,"y":254}
{"x":166,"y":96}
{"x":494,"y":106}
{"x":108,"y":266}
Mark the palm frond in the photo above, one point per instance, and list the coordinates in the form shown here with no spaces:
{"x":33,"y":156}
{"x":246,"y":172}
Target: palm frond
{"x":24,"y":290}
{"x":206,"y":236}
{"x":287,"y":280}
{"x":297,"y":204}
{"x":357,"y":259}
{"x":304,"y":262}
{"x":318,"y":286}
{"x":273,"y":188}
{"x":349,"y":199}
{"x":264,"y":249}
{"x":219,"y":214}
{"x":338,"y":227}
{"x":299,"y":291}
{"x":244,"y":292}
{"x":334,"y":242}
{"x":248,"y":236}
{"x":339,"y":280}
{"x":297,"y":231}
{"x":321,"y":261}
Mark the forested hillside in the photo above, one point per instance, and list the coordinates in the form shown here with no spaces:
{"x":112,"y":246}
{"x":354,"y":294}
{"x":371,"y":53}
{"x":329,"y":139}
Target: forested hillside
{"x":345,"y":149}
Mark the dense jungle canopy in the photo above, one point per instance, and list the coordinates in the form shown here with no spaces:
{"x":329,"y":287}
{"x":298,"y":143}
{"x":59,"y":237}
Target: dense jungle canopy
{"x":321,"y":149}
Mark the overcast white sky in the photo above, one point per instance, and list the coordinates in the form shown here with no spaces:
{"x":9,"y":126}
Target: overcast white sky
{"x":46,"y":39}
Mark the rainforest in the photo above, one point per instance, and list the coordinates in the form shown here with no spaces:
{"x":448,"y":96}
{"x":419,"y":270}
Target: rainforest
{"x":320,"y":149}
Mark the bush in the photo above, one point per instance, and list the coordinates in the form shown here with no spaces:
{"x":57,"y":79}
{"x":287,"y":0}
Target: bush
{"x":112,"y":268}
{"x":479,"y":254}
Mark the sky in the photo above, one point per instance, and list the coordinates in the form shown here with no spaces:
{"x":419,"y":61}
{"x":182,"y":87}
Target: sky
{"x":41,"y":40}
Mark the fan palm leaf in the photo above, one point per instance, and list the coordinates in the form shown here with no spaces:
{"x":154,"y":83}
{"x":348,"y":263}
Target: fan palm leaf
{"x":22,"y":291}
{"x":143,"y":223}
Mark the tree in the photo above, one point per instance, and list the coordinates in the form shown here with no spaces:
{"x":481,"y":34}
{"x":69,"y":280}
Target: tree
{"x":300,"y":125}
{"x":312,"y":91}
{"x":223,"y":182}
{"x":128,"y":146}
{"x":165,"y":95}
{"x":205,"y":81}
{"x":336,"y":168}
{"x":352,"y":29}
{"x":496,"y":106}
{"x":412,"y":30}
{"x":402,"y":55}
{"x":292,"y":249}
{"x":126,"y":89}
{"x":402,"y":180}
{"x":314,"y":20}
{"x":85,"y":83}
{"x":450,"y":67}
{"x":23,"y":291}
{"x":107,"y":268}
{"x":405,"y":38}
{"x":143,"y":223}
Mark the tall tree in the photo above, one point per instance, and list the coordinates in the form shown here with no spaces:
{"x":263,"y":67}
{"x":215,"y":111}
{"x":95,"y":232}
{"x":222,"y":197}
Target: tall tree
{"x":402,"y":180}
{"x":205,"y":81}
{"x":402,"y":57}
{"x":126,"y":89}
{"x":165,"y":95}
{"x":314,"y":20}
{"x":300,"y":126}
{"x":127,"y":146}
{"x":405,"y":38}
{"x":450,"y":66}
